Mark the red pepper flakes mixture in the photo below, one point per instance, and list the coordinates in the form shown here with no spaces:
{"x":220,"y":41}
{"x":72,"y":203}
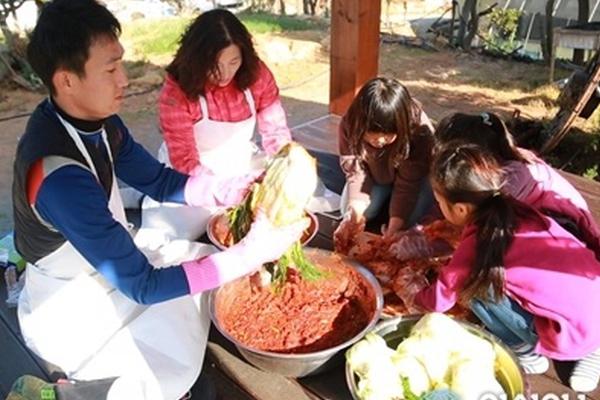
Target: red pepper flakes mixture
{"x":304,"y":316}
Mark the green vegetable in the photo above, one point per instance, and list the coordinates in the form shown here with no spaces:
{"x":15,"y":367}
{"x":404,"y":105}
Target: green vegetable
{"x":408,"y":393}
{"x":287,"y":187}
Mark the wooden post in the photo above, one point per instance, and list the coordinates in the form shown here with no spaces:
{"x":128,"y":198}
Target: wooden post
{"x":354,"y":49}
{"x":555,"y":39}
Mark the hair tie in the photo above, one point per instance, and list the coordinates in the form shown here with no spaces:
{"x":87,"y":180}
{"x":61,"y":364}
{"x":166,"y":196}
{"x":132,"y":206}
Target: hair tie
{"x":454,"y":153}
{"x":486,"y":119}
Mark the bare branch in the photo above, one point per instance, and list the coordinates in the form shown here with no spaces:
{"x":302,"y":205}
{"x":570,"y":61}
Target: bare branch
{"x":9,"y":6}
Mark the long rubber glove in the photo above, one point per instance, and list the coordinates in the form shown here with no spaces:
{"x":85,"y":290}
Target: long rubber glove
{"x":345,"y":234}
{"x":263,"y":243}
{"x":205,"y":189}
{"x":411,"y":243}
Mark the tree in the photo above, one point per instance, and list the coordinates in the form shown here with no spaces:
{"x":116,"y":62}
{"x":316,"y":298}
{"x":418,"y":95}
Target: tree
{"x":8,"y":7}
{"x":39,"y":4}
{"x":265,"y":5}
{"x":310,"y":7}
{"x":179,"y":5}
{"x":469,"y":23}
{"x":548,"y":39}
{"x":19,"y":69}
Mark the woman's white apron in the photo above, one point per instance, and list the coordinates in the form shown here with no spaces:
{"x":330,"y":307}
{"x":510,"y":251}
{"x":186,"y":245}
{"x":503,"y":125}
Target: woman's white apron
{"x":71,"y":317}
{"x":227,"y":149}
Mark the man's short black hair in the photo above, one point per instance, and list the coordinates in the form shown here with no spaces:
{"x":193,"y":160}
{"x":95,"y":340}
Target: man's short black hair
{"x":63,"y":35}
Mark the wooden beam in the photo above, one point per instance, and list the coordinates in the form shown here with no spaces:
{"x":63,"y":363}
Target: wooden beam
{"x":354,"y":53}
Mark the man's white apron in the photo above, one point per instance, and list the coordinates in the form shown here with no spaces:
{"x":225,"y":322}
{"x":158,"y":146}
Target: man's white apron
{"x":71,"y":317}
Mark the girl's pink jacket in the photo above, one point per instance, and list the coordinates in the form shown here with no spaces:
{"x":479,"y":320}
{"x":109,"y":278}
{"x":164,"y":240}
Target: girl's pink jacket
{"x":549,"y":273}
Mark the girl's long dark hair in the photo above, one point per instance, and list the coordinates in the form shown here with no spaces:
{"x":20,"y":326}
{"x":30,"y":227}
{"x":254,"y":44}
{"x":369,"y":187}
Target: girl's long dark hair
{"x":468,"y":173}
{"x":199,"y":48}
{"x":383,"y":105}
{"x":486,"y":130}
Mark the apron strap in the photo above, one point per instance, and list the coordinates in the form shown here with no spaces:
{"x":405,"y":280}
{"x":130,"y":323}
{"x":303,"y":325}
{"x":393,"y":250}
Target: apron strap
{"x":203,"y":107}
{"x":115,"y":202}
{"x":110,"y":156}
{"x":250,"y":100}
{"x":79,"y":143}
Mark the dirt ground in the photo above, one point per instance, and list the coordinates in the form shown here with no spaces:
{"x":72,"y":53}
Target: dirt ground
{"x":444,"y":81}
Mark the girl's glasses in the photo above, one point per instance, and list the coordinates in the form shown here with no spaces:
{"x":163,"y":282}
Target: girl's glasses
{"x":379,"y":139}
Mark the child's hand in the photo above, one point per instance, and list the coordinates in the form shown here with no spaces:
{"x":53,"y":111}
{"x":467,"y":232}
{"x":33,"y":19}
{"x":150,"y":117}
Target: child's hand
{"x":392,"y":229}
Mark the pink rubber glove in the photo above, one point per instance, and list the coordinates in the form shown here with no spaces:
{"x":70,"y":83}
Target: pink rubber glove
{"x":206,"y":189}
{"x":263,"y":243}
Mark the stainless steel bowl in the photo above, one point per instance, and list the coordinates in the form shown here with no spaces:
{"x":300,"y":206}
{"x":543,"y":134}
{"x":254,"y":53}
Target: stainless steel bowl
{"x":210,"y":228}
{"x":299,"y":365}
{"x":509,"y":373}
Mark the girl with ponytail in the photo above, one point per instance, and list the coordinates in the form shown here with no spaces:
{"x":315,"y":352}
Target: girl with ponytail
{"x":528,"y":178}
{"x":532,"y":283}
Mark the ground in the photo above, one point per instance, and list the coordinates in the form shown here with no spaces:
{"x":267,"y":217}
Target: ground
{"x":445,"y":81}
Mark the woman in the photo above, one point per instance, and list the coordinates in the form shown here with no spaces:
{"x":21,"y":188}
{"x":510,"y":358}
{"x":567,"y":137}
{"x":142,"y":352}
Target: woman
{"x":216,"y":92}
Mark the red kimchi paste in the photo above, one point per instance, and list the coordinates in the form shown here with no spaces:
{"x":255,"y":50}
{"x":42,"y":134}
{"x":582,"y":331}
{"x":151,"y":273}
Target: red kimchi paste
{"x":303,"y":316}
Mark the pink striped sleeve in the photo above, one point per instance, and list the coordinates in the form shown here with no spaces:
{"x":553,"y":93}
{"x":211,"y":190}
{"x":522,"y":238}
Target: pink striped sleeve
{"x":271,"y":118}
{"x":177,"y":116}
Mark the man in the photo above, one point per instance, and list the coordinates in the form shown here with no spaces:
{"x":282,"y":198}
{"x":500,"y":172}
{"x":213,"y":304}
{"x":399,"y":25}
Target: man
{"x":92,"y":303}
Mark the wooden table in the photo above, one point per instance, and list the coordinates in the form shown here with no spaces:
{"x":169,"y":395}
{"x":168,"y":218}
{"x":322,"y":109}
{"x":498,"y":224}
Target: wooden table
{"x":236,"y":379}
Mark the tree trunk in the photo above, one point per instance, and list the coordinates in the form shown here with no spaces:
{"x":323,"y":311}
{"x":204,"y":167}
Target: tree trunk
{"x":473,"y":26}
{"x":282,"y":7}
{"x":583,"y":12}
{"x":451,"y":36}
{"x":325,"y":9}
{"x":8,"y":7}
{"x":468,"y":12}
{"x":548,"y":41}
{"x":469,"y":21}
{"x":8,"y":35}
{"x":387,"y":12}
{"x":39,"y":4}
{"x":310,"y":7}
